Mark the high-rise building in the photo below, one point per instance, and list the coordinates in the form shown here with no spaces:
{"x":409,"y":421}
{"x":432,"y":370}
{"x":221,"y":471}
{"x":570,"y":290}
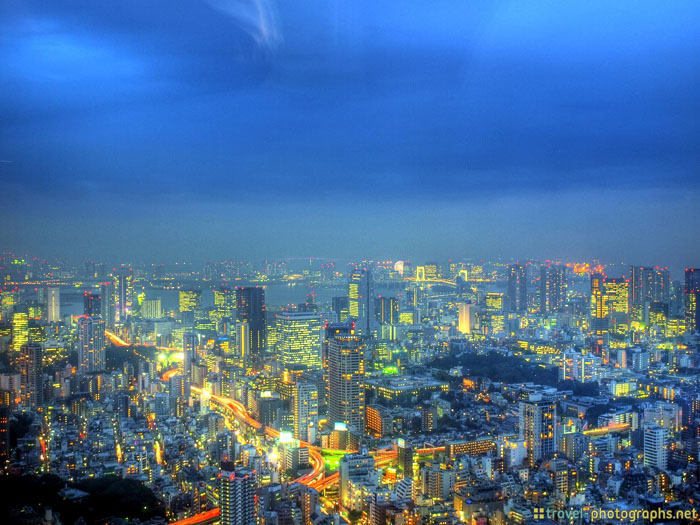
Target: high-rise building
{"x":124,"y":292}
{"x":20,"y":327}
{"x":189,"y":353}
{"x":405,"y":459}
{"x":92,"y":304}
{"x":617,"y":304}
{"x":649,"y":284}
{"x":53,"y":304}
{"x":358,"y":466}
{"x":692,"y":299}
{"x":552,"y":288}
{"x":243,"y":343}
{"x":517,"y":288}
{"x":91,"y":344}
{"x":656,"y":447}
{"x":225,"y":302}
{"x":152,"y":309}
{"x":108,"y":306}
{"x":32,"y":374}
{"x":599,"y":305}
{"x":388,"y":310}
{"x":346,"y":371}
{"x":5,"y":411}
{"x":236,"y":491}
{"x":361,"y":300}
{"x":305,"y":401}
{"x":299,"y":339}
{"x":189,"y":300}
{"x":250,"y":308}
{"x":466,"y":320}
{"x":537,"y":427}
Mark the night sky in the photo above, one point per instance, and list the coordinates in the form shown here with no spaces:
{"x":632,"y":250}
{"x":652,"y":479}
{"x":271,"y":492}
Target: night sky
{"x":194,"y":130}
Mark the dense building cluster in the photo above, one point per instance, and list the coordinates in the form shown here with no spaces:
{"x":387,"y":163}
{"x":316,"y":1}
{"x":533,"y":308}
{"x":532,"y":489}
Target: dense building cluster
{"x":313,"y":392}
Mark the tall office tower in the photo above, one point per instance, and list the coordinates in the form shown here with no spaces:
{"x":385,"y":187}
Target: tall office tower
{"x":346,"y":372}
{"x":20,"y":328}
{"x":649,"y":284}
{"x":552,"y":288}
{"x":152,"y":309}
{"x":617,"y":302}
{"x":466,"y":318}
{"x":237,"y":497}
{"x":692,"y":299}
{"x":656,"y":447}
{"x":299,"y":339}
{"x":91,"y":344}
{"x":189,"y":353}
{"x":190,"y":300}
{"x":341,"y":308}
{"x":388,"y":310}
{"x":92,"y":304}
{"x":537,"y":427}
{"x":225,"y":302}
{"x":243,"y":343}
{"x":361,"y":300}
{"x":305,"y":399}
{"x":405,"y":459}
{"x":32,"y":373}
{"x":599,"y":305}
{"x":108,"y":306}
{"x":517,"y":288}
{"x":53,"y":304}
{"x":5,"y":411}
{"x":124,"y":292}
{"x":250,"y":308}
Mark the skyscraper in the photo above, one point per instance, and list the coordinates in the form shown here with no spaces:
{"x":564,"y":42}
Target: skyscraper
{"x":552,"y":288}
{"x":243,"y":343}
{"x":649,"y":284}
{"x":108,"y":305}
{"x":656,"y":447}
{"x":31,"y":374}
{"x":537,"y":427}
{"x":617,"y":303}
{"x":92,"y":304}
{"x":189,"y":300}
{"x":5,"y":411}
{"x":387,"y":310}
{"x":250,"y":308}
{"x":466,"y":320}
{"x":346,"y":371}
{"x":361,"y":300}
{"x":305,"y":401}
{"x":517,"y":288}
{"x":189,"y":349}
{"x":692,"y":299}
{"x":91,"y":344}
{"x":20,"y":327}
{"x":299,"y":339}
{"x":599,"y":305}
{"x":237,"y":497}
{"x":53,"y":304}
{"x":124,"y":288}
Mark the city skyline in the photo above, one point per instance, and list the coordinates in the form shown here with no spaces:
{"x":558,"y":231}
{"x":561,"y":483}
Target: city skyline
{"x":349,"y":262}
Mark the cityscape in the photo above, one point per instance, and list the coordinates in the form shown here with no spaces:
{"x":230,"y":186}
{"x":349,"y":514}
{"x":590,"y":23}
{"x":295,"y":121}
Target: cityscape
{"x":349,"y":262}
{"x":317,"y":391}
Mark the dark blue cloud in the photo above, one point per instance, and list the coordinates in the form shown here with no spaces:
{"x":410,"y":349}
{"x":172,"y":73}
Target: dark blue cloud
{"x":230,"y":101}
